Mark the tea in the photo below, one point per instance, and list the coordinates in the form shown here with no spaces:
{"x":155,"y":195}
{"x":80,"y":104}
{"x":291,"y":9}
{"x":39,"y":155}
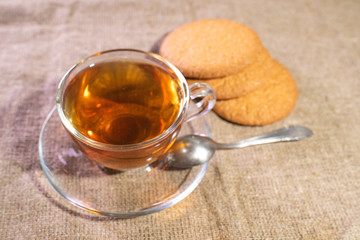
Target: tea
{"x":122,"y":102}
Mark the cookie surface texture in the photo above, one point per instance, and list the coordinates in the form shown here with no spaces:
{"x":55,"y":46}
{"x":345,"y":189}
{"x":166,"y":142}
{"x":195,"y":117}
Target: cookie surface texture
{"x":265,"y":105}
{"x":211,"y":48}
{"x":247,"y":80}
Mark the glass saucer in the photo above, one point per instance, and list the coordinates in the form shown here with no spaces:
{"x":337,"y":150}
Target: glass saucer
{"x":113,"y":193}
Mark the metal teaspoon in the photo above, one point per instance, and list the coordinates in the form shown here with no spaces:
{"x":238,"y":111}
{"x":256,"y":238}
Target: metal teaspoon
{"x":192,"y":150}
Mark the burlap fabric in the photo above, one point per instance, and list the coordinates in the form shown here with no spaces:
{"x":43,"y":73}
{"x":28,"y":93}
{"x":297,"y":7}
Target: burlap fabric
{"x":301,"y":190}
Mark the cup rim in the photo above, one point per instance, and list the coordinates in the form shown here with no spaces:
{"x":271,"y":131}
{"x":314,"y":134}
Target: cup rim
{"x":114,"y":147}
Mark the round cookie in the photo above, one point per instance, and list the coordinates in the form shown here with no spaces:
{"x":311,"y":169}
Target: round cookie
{"x":211,"y":48}
{"x":265,"y":105}
{"x":249,"y":79}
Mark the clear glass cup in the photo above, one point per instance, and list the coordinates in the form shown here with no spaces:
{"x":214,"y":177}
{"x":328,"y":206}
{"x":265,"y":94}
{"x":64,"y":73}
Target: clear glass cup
{"x":194,"y":101}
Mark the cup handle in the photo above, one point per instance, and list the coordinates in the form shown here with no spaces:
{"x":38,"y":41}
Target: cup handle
{"x":202,"y":100}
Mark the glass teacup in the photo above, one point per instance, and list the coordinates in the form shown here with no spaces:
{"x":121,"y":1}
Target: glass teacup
{"x":124,"y":108}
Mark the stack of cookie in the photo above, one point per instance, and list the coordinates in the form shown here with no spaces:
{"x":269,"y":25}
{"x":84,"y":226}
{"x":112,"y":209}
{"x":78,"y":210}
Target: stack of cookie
{"x":251,"y":87}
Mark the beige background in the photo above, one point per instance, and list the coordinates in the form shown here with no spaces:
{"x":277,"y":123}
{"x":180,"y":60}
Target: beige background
{"x":303,"y":190}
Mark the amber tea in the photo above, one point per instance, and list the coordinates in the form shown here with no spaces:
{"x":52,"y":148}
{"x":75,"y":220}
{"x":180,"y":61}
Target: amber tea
{"x":122,"y":102}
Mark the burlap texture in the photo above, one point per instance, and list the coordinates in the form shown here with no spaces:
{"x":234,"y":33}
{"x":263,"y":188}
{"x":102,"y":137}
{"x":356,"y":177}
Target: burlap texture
{"x":301,"y":190}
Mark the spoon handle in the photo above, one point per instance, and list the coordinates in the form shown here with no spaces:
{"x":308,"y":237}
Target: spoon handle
{"x":291,"y":133}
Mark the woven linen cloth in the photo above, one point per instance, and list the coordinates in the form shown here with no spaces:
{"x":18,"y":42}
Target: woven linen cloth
{"x":300,"y":190}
